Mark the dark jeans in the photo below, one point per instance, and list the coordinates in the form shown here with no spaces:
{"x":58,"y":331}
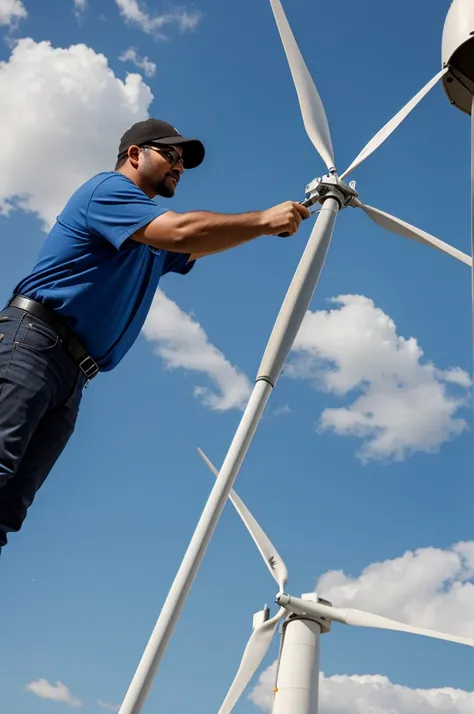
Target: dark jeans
{"x":40,"y":392}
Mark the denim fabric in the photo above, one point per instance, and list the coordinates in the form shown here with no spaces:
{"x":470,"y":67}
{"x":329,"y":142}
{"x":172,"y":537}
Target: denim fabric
{"x":40,"y":392}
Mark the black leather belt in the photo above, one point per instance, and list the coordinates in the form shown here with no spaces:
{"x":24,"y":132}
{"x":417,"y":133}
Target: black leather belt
{"x":69,"y":341}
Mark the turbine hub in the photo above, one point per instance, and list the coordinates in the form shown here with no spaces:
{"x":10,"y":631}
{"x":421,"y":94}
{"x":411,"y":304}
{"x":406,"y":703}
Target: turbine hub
{"x":330,"y":186}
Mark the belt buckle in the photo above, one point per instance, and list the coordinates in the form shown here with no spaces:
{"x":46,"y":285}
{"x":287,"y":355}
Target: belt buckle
{"x":91,"y":369}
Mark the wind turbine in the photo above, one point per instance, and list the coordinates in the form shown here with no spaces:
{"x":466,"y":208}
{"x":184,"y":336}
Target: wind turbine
{"x":307,"y":618}
{"x":333,"y":195}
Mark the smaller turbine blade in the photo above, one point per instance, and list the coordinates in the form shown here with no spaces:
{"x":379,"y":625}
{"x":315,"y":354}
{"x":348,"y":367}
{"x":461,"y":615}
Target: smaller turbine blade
{"x":367,"y":619}
{"x":396,"y":225}
{"x":269,"y":553}
{"x":359,"y":618}
{"x":391,"y":125}
{"x":254,"y":653}
{"x":312,"y":109}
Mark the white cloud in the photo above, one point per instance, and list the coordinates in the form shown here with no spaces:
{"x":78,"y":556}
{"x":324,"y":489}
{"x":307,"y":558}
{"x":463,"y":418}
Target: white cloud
{"x":11,"y":11}
{"x":429,"y":587}
{"x":143,"y":63}
{"x":182,"y":343}
{"x":108,"y":707}
{"x":65,"y":114}
{"x":56,"y":693}
{"x":371,"y":694}
{"x":403,"y":404}
{"x":80,"y":7}
{"x":456,"y":376}
{"x":132,"y":11}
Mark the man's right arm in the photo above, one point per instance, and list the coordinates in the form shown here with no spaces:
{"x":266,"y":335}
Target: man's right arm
{"x":203,"y":233}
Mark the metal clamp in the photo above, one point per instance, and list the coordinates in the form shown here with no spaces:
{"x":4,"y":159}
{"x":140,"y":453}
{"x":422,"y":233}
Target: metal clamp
{"x":330,"y":185}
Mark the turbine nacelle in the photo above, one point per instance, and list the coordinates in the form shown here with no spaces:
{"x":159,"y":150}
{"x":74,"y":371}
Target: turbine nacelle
{"x":458,"y":54}
{"x":312,"y":602}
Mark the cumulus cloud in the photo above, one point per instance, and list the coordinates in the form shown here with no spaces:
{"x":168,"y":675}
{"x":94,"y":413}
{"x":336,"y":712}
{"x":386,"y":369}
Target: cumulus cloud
{"x":143,"y":63}
{"x":401,"y":403}
{"x":134,"y":13}
{"x":371,"y":694}
{"x":11,"y":12}
{"x":65,"y":113}
{"x":429,"y":587}
{"x":54,"y":692}
{"x":182,"y":343}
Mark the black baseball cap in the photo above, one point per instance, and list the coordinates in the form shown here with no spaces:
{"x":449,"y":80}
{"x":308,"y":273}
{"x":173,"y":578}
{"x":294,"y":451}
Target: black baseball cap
{"x":160,"y":132}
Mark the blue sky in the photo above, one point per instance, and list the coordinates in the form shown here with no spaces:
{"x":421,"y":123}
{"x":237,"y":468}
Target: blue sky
{"x":84,"y":581}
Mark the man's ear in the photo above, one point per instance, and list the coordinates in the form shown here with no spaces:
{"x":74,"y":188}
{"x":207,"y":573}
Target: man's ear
{"x":134,"y":155}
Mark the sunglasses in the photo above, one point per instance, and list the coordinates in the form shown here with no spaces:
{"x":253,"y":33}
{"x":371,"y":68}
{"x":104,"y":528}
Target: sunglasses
{"x":171,"y":155}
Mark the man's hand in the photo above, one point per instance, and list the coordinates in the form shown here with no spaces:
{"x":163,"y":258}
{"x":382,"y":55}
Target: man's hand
{"x":284,"y":218}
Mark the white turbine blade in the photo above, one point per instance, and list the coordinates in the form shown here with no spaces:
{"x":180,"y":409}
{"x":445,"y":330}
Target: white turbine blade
{"x":367,"y":619}
{"x":269,"y":553}
{"x":390,"y":126}
{"x":312,"y":109}
{"x":256,"y":649}
{"x":396,"y":225}
{"x":359,"y":618}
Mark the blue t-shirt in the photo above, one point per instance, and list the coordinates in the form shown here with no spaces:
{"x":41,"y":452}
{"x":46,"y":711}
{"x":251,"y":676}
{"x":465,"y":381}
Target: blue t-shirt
{"x":92,"y":273}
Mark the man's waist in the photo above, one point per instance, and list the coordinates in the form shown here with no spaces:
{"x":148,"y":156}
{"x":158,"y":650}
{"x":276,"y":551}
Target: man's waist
{"x":56,"y":322}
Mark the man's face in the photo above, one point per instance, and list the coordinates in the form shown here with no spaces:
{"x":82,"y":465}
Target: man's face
{"x":161,"y":167}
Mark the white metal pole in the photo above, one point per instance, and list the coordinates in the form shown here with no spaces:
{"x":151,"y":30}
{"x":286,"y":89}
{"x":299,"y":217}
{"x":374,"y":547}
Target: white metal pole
{"x":297,"y":685}
{"x":284,"y":332}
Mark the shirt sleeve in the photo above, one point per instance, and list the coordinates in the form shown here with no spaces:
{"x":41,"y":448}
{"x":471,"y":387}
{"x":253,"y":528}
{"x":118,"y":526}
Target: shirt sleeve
{"x":118,"y":208}
{"x":177,"y":263}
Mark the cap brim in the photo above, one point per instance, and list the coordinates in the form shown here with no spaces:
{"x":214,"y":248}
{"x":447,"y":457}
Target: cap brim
{"x":193,"y":149}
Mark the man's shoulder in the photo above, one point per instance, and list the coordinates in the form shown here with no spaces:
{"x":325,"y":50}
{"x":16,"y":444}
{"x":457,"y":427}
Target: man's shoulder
{"x":107,"y":179}
{"x":110,"y":180}
{"x":113,"y":185}
{"x":84,"y":191}
{"x":99,"y":186}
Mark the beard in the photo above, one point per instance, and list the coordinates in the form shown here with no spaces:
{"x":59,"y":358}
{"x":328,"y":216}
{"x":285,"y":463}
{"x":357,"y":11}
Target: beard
{"x":165,"y":187}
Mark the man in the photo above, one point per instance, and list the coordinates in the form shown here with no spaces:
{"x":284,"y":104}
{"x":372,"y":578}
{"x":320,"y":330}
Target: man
{"x":84,"y":303}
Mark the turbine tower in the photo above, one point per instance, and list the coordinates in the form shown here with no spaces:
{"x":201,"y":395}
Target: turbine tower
{"x":333,"y":195}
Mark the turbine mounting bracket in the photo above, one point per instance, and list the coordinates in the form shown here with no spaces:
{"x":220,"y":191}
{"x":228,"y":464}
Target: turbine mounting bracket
{"x":330,"y":186}
{"x":325,"y":625}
